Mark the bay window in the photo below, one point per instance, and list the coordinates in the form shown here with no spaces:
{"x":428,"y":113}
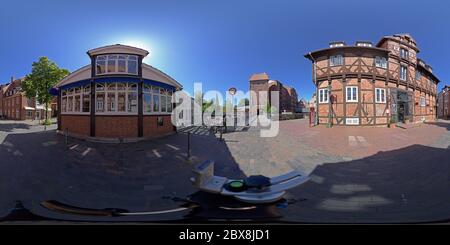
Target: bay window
{"x":116,"y":98}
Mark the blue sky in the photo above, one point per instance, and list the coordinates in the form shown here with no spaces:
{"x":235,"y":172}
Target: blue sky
{"x":218,"y":43}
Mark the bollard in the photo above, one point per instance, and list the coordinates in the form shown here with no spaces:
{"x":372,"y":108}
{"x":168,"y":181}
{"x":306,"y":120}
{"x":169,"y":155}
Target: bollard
{"x":221,"y":135}
{"x":67,"y":136}
{"x":189,"y":146}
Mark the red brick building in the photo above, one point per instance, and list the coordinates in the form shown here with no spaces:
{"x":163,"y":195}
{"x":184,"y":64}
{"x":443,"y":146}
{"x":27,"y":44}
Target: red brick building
{"x":116,"y":96}
{"x":364,"y":84}
{"x":288,"y":100}
{"x":14,"y":105}
{"x":444,"y":103}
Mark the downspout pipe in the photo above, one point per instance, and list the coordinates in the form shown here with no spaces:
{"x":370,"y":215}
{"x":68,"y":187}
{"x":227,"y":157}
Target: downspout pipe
{"x":316,"y":119}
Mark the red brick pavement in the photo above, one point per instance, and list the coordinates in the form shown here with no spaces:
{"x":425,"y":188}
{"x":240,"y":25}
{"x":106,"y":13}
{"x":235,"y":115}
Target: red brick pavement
{"x":358,"y":142}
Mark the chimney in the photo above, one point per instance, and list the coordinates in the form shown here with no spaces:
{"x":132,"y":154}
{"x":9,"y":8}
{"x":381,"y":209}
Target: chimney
{"x":12,"y":79}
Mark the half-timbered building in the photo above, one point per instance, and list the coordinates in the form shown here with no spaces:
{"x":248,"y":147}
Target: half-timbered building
{"x":366,"y":84}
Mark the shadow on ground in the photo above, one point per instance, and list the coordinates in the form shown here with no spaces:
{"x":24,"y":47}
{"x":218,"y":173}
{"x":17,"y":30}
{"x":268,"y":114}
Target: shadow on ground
{"x":406,"y":185}
{"x":10,"y":127}
{"x":142,"y":176}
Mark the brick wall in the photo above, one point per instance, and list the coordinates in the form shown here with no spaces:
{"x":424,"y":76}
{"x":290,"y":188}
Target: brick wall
{"x":151,"y":128}
{"x":116,"y":126}
{"x":76,"y":124}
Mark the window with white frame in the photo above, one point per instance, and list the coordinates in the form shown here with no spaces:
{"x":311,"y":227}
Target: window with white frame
{"x":156,"y":100}
{"x":323,"y":95}
{"x":418,"y":75}
{"x":380,"y":62}
{"x":116,"y":64}
{"x":352,"y":94}
{"x":422,"y":101}
{"x":380,"y":95}
{"x":113,"y":98}
{"x":336,"y":60}
{"x":76,"y":100}
{"x":86,"y":99}
{"x":404,"y":53}
{"x":403,"y":72}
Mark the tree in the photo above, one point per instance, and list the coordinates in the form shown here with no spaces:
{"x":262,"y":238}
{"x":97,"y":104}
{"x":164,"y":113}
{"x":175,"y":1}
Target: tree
{"x":244,"y":102}
{"x":44,"y":75}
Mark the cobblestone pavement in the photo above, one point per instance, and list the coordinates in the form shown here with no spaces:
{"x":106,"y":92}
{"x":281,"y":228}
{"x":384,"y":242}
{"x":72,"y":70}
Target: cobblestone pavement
{"x":357,"y":174}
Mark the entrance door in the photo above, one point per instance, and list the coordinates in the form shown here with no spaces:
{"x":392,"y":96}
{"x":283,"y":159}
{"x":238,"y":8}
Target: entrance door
{"x":401,"y":111}
{"x":38,"y":115}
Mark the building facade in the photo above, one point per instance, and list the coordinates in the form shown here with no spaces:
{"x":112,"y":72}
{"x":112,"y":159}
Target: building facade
{"x":116,"y":96}
{"x":364,"y":84}
{"x":288,"y":99}
{"x":443,"y":101}
{"x":14,"y":105}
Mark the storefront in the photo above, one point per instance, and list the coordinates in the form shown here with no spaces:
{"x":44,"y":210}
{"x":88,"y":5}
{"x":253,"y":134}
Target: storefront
{"x":117,"y":96}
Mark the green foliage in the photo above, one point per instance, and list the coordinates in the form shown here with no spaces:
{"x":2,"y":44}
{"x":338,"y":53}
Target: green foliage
{"x":270,"y":109}
{"x":244,"y":102}
{"x":44,"y":75}
{"x":207,"y":104}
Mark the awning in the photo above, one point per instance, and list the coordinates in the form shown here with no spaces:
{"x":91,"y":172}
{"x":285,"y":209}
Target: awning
{"x":29,"y":108}
{"x":41,"y":107}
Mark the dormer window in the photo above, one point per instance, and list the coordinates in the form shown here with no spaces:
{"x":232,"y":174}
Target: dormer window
{"x":364,"y":44}
{"x":116,"y":64}
{"x":337,"y":44}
